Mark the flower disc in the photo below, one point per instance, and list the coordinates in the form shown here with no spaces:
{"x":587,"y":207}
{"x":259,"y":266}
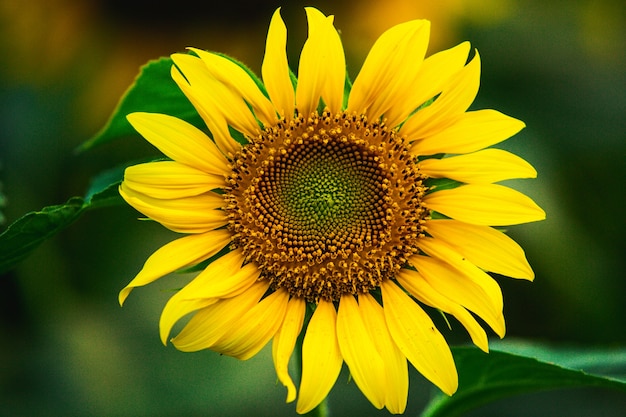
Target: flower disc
{"x":328,"y":205}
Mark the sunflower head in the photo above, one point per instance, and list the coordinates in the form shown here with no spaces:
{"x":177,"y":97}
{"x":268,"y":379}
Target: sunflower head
{"x":364,"y":205}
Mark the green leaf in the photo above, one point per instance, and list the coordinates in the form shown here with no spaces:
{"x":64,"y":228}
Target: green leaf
{"x":103,"y":189}
{"x":484,"y":378}
{"x":153,"y":91}
{"x":25,"y":234}
{"x":29,"y":231}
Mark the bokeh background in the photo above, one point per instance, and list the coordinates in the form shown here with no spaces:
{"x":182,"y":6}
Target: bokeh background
{"x":68,"y":349}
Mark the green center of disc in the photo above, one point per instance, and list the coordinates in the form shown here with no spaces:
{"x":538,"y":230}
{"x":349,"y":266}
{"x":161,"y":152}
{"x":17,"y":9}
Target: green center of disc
{"x":321,"y":189}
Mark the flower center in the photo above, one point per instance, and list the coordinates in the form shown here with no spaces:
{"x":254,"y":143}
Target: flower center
{"x":326,"y":205}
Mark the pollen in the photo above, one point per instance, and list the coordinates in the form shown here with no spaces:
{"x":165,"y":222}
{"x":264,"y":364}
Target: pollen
{"x":326,"y":205}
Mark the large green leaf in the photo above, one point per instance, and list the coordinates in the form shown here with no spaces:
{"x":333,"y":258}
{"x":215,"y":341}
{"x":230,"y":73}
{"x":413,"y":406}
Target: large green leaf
{"x":484,"y":378}
{"x":153,"y":91}
{"x":29,"y":231}
{"x":25,"y":234}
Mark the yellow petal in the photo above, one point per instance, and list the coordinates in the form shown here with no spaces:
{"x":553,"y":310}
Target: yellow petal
{"x":170,"y":179}
{"x":178,"y":307}
{"x":435,"y":73}
{"x":462,"y":290}
{"x":209,"y":324}
{"x":472,"y":131}
{"x":239,"y":82}
{"x":285,"y":341}
{"x":177,"y":254}
{"x":224,"y":277}
{"x":228,"y":285}
{"x":322,"y":69}
{"x":448,"y":256}
{"x":251,"y":332}
{"x":199,"y":95}
{"x":483,"y":246}
{"x":455,"y":98}
{"x":275,"y":68}
{"x":413,"y":282}
{"x":208,"y":89}
{"x":417,"y":338}
{"x":194,"y":296}
{"x":485,"y":204}
{"x":389,"y":71}
{"x":196,"y":214}
{"x":180,"y":141}
{"x":359,"y":352}
{"x":321,"y":358}
{"x":396,"y":370}
{"x":482,"y":167}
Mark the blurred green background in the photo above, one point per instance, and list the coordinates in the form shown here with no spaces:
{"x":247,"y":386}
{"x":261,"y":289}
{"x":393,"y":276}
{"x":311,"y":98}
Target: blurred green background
{"x":68,"y":349}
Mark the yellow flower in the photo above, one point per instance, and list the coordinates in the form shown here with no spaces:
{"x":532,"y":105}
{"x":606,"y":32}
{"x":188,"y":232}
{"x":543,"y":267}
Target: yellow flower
{"x":343,"y":209}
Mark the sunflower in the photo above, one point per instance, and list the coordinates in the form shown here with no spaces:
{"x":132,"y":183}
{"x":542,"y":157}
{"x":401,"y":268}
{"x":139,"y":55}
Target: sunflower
{"x":332,"y":210}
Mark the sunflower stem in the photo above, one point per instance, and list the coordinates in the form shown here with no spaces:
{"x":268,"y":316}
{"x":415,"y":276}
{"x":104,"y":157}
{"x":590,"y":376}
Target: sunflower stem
{"x":322,"y":410}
